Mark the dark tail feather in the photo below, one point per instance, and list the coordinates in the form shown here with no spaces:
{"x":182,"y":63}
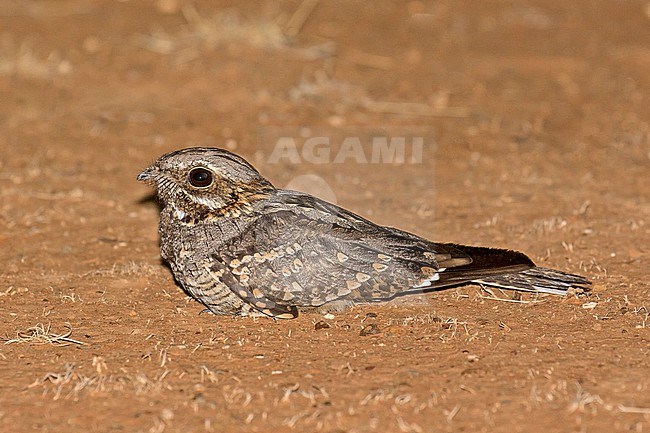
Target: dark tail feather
{"x":541,"y":280}
{"x":508,"y":269}
{"x":486,"y":262}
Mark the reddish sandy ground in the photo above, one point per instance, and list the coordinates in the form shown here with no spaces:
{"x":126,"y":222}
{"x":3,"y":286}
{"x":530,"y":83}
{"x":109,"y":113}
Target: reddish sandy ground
{"x":535,"y":121}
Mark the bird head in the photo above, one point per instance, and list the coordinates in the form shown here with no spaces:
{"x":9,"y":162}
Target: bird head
{"x":205,"y":180}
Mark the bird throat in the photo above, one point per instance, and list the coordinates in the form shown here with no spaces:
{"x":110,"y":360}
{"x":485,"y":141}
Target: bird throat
{"x":194,"y":210}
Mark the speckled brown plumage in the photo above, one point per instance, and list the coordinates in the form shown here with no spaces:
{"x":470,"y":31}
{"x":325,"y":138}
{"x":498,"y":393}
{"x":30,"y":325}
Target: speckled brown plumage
{"x":239,"y":246}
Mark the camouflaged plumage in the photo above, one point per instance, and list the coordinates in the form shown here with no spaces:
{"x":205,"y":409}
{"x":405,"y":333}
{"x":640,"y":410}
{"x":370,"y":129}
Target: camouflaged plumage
{"x":239,"y":246}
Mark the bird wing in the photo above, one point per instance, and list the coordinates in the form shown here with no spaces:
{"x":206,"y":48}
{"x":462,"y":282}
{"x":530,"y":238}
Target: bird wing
{"x":303,"y":251}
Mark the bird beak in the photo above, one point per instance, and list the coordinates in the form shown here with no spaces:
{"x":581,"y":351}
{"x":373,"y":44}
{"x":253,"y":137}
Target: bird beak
{"x":148,"y":175}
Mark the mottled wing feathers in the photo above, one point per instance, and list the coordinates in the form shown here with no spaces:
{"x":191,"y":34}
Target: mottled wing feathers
{"x":237,"y":279}
{"x":302,"y":260}
{"x":301,"y":251}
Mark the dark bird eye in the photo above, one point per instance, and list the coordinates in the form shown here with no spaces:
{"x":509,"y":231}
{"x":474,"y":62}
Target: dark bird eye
{"x":200,"y":177}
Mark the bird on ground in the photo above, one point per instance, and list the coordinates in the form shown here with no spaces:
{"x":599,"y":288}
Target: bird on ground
{"x":240,"y":246}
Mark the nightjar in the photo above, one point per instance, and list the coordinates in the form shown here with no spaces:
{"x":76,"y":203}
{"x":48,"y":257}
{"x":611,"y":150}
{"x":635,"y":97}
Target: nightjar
{"x":241,"y":246}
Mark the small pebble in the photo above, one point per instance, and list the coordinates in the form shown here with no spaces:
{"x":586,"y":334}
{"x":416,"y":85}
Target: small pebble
{"x":370,"y":329}
{"x":322,"y":325}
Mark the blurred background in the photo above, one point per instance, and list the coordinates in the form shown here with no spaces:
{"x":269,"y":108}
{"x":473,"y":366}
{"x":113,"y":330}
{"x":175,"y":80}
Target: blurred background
{"x":534,"y":126}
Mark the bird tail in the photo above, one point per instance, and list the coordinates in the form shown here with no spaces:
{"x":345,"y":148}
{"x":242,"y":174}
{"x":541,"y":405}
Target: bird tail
{"x":536,"y":279}
{"x":508,"y":269}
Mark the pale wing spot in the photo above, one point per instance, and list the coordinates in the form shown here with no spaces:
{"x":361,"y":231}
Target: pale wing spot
{"x":297,"y":287}
{"x":426,"y":282}
{"x":342,"y":292}
{"x":287,"y":296}
{"x":273,"y":254}
{"x":330,"y":297}
{"x":297,"y":246}
{"x":246,"y":259}
{"x":353,"y":284}
{"x":243,"y":293}
{"x":243,"y":279}
{"x":241,"y":271}
{"x":455,"y":262}
{"x":258,"y":293}
{"x":315,"y":302}
{"x":342,"y":258}
{"x":428,"y":271}
{"x":234,"y":263}
{"x":362,"y":278}
{"x":290,"y":250}
{"x":286,"y":272}
{"x":296,"y":266}
{"x":384,"y":257}
{"x":379,"y":267}
{"x":260,"y":304}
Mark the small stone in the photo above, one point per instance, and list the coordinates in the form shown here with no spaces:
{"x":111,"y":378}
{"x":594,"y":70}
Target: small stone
{"x":167,"y":415}
{"x":322,"y":325}
{"x":370,"y":329}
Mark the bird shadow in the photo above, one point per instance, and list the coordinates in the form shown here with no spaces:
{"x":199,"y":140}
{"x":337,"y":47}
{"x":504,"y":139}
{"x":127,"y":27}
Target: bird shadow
{"x":150,"y":198}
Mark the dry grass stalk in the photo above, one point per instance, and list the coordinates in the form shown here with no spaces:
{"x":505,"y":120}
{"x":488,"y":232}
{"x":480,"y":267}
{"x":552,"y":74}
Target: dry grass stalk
{"x":41,"y":334}
{"x":299,"y":17}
